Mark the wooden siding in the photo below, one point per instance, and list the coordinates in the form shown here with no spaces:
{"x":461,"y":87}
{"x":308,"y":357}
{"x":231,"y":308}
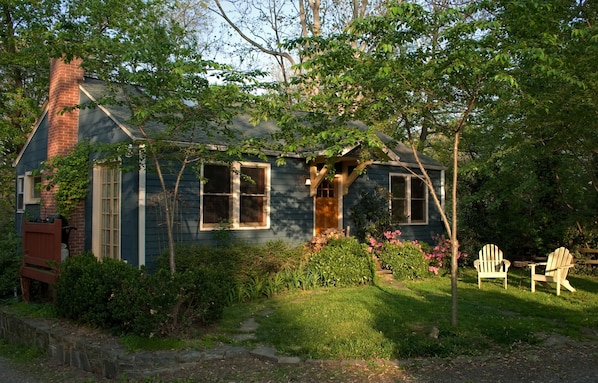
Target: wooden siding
{"x":33,"y":155}
{"x":130,"y":218}
{"x":379,"y":175}
{"x":291,"y":216}
{"x":99,"y":128}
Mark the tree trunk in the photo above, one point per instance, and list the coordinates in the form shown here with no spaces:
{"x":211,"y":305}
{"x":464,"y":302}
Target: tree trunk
{"x":453,"y":234}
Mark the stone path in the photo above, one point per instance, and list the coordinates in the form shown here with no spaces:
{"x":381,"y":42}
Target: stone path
{"x":387,"y":278}
{"x":247,"y":331}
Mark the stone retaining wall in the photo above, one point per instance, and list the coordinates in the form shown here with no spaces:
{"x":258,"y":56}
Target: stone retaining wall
{"x":109,"y":361}
{"x":57,"y":343}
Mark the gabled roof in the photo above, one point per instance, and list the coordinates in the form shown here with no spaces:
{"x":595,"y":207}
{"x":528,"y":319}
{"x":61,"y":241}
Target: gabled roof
{"x":405,"y":153}
{"x":96,"y":90}
{"x":395,"y":153}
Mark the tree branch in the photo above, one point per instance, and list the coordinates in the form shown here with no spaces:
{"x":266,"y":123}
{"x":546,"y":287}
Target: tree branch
{"x":254,"y":43}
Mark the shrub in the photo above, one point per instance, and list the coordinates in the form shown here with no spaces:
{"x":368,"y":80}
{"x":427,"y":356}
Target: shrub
{"x":343,"y":262}
{"x":85,"y":287}
{"x":163,"y":304}
{"x":143,"y":307}
{"x":439,"y":257}
{"x":239,"y":259}
{"x":250,"y":270}
{"x":10,"y":262}
{"x":406,"y":259}
{"x":203,"y":295}
{"x":115,"y":295}
{"x":370,"y":214}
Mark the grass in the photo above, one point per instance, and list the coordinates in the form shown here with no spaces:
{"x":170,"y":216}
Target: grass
{"x":380,"y":322}
{"x":31,"y":310}
{"x":18,"y":353}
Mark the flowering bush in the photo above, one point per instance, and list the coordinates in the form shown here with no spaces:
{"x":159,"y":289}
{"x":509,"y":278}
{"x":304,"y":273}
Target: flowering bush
{"x":405,"y":258}
{"x":440,"y":256}
{"x":391,"y":237}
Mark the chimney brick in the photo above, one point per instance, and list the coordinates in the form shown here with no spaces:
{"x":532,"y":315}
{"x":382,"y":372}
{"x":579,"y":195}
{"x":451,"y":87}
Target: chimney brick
{"x":63,"y":134}
{"x":64,"y":93}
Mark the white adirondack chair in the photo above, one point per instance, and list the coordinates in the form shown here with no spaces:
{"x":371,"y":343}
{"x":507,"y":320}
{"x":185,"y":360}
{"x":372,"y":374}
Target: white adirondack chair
{"x":557,"y":267}
{"x":491,"y":264}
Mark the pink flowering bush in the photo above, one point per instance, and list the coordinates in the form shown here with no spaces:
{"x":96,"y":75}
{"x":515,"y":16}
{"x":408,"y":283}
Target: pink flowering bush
{"x":405,"y":258}
{"x":440,"y":256}
{"x":391,"y":237}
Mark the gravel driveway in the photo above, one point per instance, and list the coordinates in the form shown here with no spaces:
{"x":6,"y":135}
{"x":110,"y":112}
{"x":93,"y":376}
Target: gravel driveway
{"x":10,"y":374}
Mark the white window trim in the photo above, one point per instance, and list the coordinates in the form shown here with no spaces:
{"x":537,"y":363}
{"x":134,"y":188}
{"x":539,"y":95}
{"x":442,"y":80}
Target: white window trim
{"x":25,"y":188}
{"x":21,"y":187}
{"x":96,"y":240}
{"x":236,"y":197}
{"x":408,"y":179}
{"x":30,"y":185}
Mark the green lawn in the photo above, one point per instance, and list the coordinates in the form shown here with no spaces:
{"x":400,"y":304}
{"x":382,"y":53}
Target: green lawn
{"x":383,"y":322}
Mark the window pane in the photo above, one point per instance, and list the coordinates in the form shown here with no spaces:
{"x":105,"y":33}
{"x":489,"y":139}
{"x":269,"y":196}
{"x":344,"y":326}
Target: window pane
{"x":217,"y":179}
{"x":252,"y":210}
{"x":110,"y":212}
{"x":418,"y":188}
{"x":20,"y":193}
{"x":36,"y":192}
{"x":418,"y":210}
{"x":216,"y":208}
{"x":398,"y":211}
{"x":398,"y":186}
{"x":326,"y":189}
{"x":256,"y":184}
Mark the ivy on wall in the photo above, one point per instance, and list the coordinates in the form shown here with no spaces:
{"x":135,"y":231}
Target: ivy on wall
{"x":69,"y":177}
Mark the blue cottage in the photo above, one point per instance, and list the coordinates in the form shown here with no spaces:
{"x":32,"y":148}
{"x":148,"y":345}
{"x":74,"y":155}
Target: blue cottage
{"x":122,"y":215}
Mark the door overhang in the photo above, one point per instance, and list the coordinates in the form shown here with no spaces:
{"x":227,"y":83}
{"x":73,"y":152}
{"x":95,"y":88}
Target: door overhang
{"x":350,"y":170}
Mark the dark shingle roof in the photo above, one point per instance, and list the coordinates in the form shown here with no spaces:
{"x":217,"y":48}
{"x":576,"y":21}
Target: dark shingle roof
{"x":240,"y":125}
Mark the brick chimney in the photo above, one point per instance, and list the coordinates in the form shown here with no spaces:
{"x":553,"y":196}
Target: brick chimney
{"x":63,"y":130}
{"x":64,"y":93}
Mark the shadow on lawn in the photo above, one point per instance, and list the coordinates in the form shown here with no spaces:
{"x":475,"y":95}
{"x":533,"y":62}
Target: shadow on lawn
{"x":386,"y":322}
{"x":488,"y":318}
{"x":589,"y":285}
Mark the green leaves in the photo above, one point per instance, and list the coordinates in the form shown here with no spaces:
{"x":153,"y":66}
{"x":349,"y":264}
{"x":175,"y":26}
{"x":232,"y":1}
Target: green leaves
{"x":342,"y":262}
{"x":24,"y":59}
{"x":69,"y":176}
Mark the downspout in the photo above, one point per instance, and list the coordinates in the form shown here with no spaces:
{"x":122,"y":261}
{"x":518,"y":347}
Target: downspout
{"x":141,"y":206}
